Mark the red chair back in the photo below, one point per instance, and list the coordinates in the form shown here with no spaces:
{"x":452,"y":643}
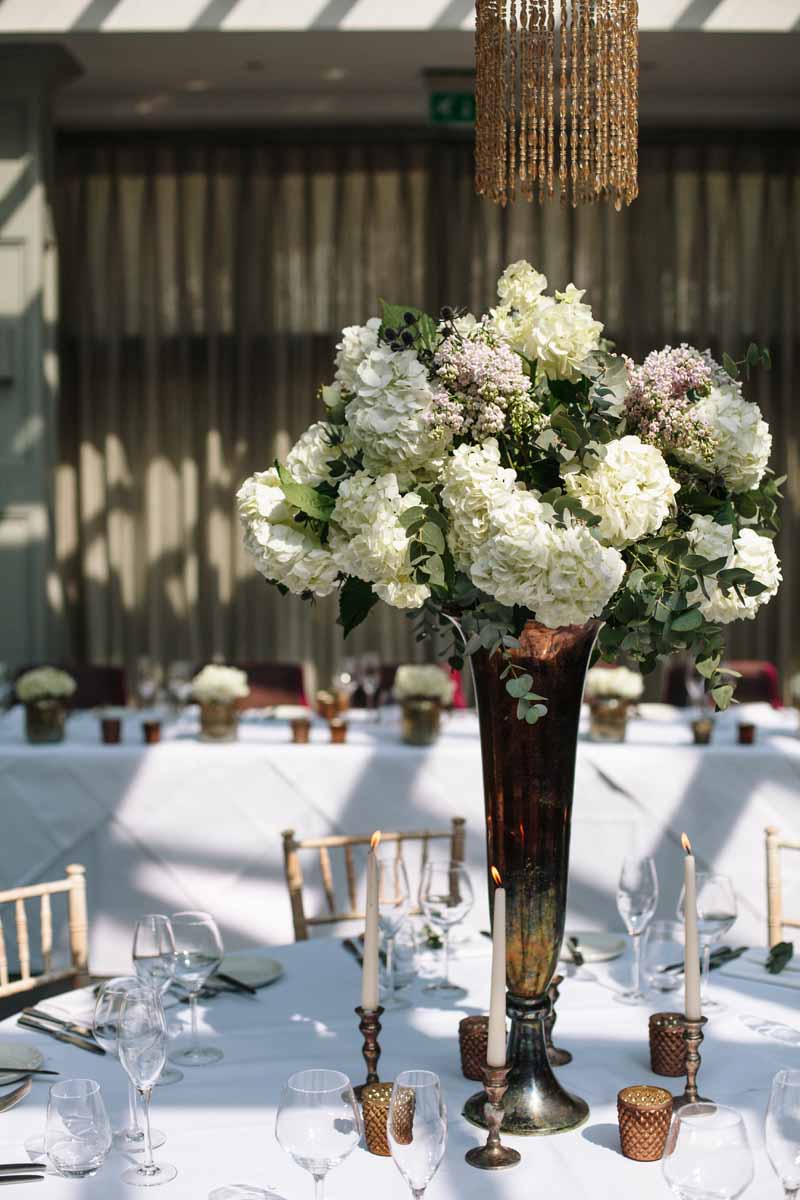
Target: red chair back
{"x":759,"y":682}
{"x":273,"y":683}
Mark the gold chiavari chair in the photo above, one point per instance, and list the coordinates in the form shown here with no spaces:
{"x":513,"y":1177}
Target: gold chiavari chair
{"x":294,"y":847}
{"x":15,"y":899}
{"x":776,"y":921}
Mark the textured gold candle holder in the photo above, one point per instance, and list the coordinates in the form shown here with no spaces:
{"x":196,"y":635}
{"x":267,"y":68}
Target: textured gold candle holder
{"x":556,"y":1057}
{"x":301,"y":731}
{"x":703,"y":731}
{"x":370,"y":1026}
{"x":644,"y":1115}
{"x":473,"y":1039}
{"x":493,"y":1156}
{"x":338,"y":729}
{"x":376,"y":1101}
{"x":692,"y":1036}
{"x":667,"y":1044}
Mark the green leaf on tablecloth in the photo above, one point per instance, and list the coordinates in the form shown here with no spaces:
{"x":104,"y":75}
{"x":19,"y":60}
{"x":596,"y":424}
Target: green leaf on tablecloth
{"x":356,"y":598}
{"x":780,"y":954}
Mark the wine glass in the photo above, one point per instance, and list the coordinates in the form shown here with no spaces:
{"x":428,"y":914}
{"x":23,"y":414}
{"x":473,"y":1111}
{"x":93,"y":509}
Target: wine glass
{"x":782,"y":1131}
{"x":663,"y":956}
{"x":716,"y":913}
{"x":318,"y":1122}
{"x":154,"y":962}
{"x":445,"y":897}
{"x":77,"y":1130}
{"x":637,"y":900}
{"x":416,"y":1128}
{"x":394,"y":902}
{"x":198,"y":954}
{"x":179,"y":683}
{"x":148,"y":680}
{"x":707,"y":1155}
{"x":142,"y":1047}
{"x":370,"y":675}
{"x":107,"y":1010}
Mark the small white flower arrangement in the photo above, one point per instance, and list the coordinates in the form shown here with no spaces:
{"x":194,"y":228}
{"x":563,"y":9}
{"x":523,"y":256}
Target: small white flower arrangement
{"x":619,"y":683}
{"x":45,"y":683}
{"x":794,"y":688}
{"x":219,"y":685}
{"x":423,"y":683}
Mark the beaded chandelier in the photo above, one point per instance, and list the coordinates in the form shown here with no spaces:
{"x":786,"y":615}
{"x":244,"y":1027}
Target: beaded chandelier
{"x":556,"y":92}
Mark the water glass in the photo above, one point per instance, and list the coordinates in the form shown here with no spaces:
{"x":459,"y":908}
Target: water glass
{"x":142,"y":1047}
{"x":716,"y":912}
{"x":707,"y":1155}
{"x":154,"y":962}
{"x":637,"y":900}
{"x":394,"y":903}
{"x":318,"y":1123}
{"x":663,"y":956}
{"x":78,"y":1131}
{"x":782,"y":1131}
{"x":417,"y":1157}
{"x":445,"y":898}
{"x":198,"y":954}
{"x":107,"y":1010}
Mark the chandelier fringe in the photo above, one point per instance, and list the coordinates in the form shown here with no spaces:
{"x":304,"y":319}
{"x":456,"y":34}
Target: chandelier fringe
{"x":557,"y":100}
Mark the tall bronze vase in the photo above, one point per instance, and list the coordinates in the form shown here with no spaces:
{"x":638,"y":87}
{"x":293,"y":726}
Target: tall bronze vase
{"x":528,"y":777}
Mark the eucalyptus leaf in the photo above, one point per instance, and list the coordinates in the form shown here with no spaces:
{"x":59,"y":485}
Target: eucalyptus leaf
{"x":519,"y":686}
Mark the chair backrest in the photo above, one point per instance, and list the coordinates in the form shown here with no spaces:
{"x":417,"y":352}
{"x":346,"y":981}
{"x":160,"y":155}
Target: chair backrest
{"x":759,"y":681}
{"x":273,"y":683}
{"x":97,"y":686}
{"x":777,"y":922}
{"x":75,"y":887}
{"x":292,"y":848}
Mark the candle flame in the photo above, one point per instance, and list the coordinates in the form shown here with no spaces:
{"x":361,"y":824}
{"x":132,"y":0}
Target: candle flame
{"x":687,"y":845}
{"x":497,"y":877}
{"x":375,"y":840}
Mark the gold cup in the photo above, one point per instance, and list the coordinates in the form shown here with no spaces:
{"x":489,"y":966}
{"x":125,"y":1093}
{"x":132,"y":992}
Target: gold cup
{"x":644,"y":1113}
{"x":473,"y":1038}
{"x":375,"y":1101}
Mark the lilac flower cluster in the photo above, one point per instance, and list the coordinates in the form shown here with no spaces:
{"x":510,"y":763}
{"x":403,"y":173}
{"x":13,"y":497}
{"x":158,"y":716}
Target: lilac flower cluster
{"x":661,"y":401}
{"x":483,"y":388}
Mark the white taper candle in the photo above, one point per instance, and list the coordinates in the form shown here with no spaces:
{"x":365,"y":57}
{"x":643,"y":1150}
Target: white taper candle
{"x":691,"y":942}
{"x":496,"y":1048}
{"x":369,"y":971}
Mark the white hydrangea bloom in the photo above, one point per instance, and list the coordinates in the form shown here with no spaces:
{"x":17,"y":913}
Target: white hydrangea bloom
{"x":220,"y":685}
{"x":521,"y":285}
{"x":619,"y":682}
{"x":357,"y":342}
{"x":282,"y":550}
{"x":389,"y":417}
{"x":475,"y":484}
{"x":428,"y":681}
{"x":308,"y":459}
{"x":368,"y":541}
{"x":749,"y":550}
{"x":44,"y":683}
{"x":630,"y":489}
{"x":562,"y":574}
{"x":740,"y":438}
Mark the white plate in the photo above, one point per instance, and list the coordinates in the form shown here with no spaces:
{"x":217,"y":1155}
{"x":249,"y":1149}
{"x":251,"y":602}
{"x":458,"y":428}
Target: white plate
{"x":595,"y":947}
{"x":252,"y":967}
{"x":21,"y":1057}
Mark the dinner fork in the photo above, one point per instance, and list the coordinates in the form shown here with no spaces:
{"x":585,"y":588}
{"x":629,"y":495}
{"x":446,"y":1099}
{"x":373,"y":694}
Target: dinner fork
{"x":19,"y":1093}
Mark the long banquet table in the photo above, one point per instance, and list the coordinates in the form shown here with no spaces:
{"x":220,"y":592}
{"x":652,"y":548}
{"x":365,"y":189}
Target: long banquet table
{"x":219,"y":1120}
{"x":190,"y":825}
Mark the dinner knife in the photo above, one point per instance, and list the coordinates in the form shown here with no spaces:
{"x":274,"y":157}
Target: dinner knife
{"x":39,"y":1014}
{"x":7,"y":1168}
{"x":4,"y":1179}
{"x":61,"y":1035}
{"x":26,"y":1071}
{"x":236,"y":984}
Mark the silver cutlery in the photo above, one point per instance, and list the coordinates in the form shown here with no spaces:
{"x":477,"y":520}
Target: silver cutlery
{"x":40,"y":1014}
{"x":7,"y":1168}
{"x":4,"y":1179}
{"x":14,"y":1097}
{"x":26,"y":1071}
{"x":350,"y":946}
{"x":61,"y":1035}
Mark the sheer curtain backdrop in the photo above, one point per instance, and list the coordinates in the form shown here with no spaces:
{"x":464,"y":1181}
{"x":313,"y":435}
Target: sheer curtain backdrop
{"x":204,"y":282}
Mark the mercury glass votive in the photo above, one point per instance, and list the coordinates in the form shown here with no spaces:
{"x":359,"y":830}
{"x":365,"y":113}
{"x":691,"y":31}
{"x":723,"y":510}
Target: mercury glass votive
{"x":703,"y":730}
{"x":473,"y":1039}
{"x":667,"y":1044}
{"x":44,"y":721}
{"x":219,"y":721}
{"x":608,"y":719}
{"x":151,"y":732}
{"x":111,"y":731}
{"x":644,"y":1114}
{"x":301,"y":731}
{"x":746,"y":733}
{"x":338,"y":729}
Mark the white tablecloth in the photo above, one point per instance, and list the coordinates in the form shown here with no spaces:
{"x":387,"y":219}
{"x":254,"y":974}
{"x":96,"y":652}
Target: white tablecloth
{"x":219,"y":1121}
{"x":189,"y":825}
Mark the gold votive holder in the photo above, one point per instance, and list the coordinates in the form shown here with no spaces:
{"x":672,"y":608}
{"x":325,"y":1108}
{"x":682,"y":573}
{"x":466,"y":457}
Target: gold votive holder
{"x":376,"y":1100}
{"x":151,"y":732}
{"x":301,"y":731}
{"x":111,"y":731}
{"x":473,"y":1040}
{"x":703,"y":730}
{"x":746,"y":733}
{"x":644,"y":1114}
{"x":667,"y":1044}
{"x":338,"y":729}
{"x":327,"y":706}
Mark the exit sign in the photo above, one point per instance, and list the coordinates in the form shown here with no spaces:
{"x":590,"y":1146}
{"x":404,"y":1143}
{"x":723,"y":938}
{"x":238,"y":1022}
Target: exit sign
{"x":452,"y":108}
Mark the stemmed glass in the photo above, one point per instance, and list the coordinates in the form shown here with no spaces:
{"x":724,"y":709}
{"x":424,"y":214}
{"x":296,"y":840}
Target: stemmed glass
{"x":394,"y":902}
{"x":782,"y":1131}
{"x":77,"y":1132}
{"x":142,"y":1047}
{"x":318,"y":1122}
{"x":148,"y":680}
{"x":716,"y":913}
{"x":179,"y":683}
{"x":370,"y":675}
{"x":707,"y":1155}
{"x":445,"y":898}
{"x":107,"y":1010}
{"x":154,"y":962}
{"x":637,"y":900}
{"x":198,"y":954}
{"x":417,"y":1128}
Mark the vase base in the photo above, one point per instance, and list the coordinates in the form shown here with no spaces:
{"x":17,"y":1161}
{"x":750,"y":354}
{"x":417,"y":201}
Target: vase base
{"x":557,"y":1113}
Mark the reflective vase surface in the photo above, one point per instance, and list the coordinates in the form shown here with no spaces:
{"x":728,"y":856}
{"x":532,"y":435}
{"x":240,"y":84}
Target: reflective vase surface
{"x":44,"y":721}
{"x":528,"y":778}
{"x":218,"y":722}
{"x":608,"y":719}
{"x":421,"y":720}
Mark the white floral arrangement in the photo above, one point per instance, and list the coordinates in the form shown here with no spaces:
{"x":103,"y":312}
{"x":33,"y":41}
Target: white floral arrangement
{"x":429,"y":682}
{"x":481,"y":472}
{"x":219,"y":685}
{"x":44,"y":683}
{"x":618,"y":683}
{"x":794,"y":688}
